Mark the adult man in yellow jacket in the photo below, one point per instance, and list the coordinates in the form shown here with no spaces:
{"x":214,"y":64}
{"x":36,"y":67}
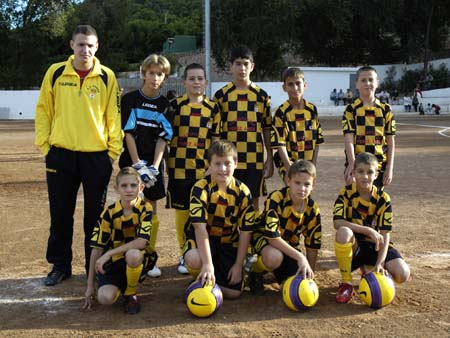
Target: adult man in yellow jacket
{"x":78,"y":129}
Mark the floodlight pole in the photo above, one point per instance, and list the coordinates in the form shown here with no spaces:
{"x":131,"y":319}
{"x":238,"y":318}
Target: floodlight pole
{"x":208,"y":46}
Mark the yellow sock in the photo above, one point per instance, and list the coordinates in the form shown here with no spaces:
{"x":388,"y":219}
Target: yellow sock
{"x":154,"y":234}
{"x":344,"y":256}
{"x":181,"y":218}
{"x":259,"y":266}
{"x":193,"y":272}
{"x":133,"y":275}
{"x":117,"y":296}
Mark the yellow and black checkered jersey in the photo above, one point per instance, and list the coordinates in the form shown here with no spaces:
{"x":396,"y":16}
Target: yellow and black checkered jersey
{"x":193,"y":128}
{"x":299,"y":130}
{"x":243,"y":116}
{"x":279,"y":219}
{"x":370,"y":126}
{"x":376,"y":213}
{"x":225,"y":213}
{"x":114,"y":229}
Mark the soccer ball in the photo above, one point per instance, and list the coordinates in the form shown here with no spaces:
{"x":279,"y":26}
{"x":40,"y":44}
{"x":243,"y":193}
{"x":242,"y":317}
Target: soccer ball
{"x":300,"y":293}
{"x":203,"y":301}
{"x":376,"y":289}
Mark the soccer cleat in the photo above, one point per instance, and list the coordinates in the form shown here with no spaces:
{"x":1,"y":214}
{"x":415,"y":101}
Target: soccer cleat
{"x":55,"y":277}
{"x":256,"y":283}
{"x":181,"y":267}
{"x":131,"y":304}
{"x":345,"y":293}
{"x":247,"y":268}
{"x":154,"y":273}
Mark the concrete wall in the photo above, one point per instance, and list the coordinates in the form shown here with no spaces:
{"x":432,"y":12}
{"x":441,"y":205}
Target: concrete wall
{"x":18,"y":104}
{"x":320,"y":82}
{"x":401,"y":68}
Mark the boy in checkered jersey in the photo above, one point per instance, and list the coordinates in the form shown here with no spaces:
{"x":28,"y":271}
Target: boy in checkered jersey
{"x":193,"y":132}
{"x":297,"y":132}
{"x":369,"y":126}
{"x":289,"y":213}
{"x":363,"y":221}
{"x":245,"y":120}
{"x":220,"y":223}
{"x":121,"y":252}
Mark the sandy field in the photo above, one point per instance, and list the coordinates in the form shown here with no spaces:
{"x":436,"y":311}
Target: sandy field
{"x":420,"y":195}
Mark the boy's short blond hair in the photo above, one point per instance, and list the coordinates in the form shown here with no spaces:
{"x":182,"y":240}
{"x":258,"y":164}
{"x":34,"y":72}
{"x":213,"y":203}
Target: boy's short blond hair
{"x":155,"y":59}
{"x":302,"y":166}
{"x":125,"y":171}
{"x":294,"y":72}
{"x":366,"y":158}
{"x":222,"y":148}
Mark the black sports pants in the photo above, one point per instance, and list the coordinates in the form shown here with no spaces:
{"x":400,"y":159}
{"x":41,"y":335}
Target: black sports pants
{"x":66,"y":170}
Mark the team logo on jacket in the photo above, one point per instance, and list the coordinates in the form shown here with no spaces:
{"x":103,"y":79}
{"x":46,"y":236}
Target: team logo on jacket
{"x":93,"y":91}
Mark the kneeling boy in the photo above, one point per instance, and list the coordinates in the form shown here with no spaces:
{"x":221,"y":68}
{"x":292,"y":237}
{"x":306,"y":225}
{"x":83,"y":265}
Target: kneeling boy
{"x":288,"y":214}
{"x":220,"y":223}
{"x":120,"y":245}
{"x":363,"y":222}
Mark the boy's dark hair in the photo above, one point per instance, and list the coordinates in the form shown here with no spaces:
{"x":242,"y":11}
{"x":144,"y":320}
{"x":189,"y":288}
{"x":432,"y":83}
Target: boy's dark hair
{"x":292,"y":72}
{"x":366,"y":158}
{"x":365,"y":69}
{"x":85,"y":30}
{"x":302,"y":166}
{"x":193,"y":66}
{"x":242,"y":52}
{"x":127,"y":171}
{"x":222,"y":148}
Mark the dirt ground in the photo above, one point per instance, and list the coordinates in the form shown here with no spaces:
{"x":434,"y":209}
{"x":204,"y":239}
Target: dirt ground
{"x":421,"y":200}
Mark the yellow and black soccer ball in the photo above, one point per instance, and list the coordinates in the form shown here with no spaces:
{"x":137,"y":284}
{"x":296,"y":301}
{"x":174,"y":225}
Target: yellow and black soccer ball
{"x":203,"y":300}
{"x":376,"y":289}
{"x":300,"y":293}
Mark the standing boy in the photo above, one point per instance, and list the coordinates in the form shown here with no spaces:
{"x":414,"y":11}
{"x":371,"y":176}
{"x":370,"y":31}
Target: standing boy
{"x":288,"y":214}
{"x":297,"y":132}
{"x":363,"y":221}
{"x":147,"y":130}
{"x":369,"y":126}
{"x":78,"y":130}
{"x":245,"y":120}
{"x":193,"y":132}
{"x":120,"y":245}
{"x":220,"y":224}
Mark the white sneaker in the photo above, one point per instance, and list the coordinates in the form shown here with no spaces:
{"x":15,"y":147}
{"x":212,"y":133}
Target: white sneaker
{"x":154,"y":273}
{"x":182,"y":268}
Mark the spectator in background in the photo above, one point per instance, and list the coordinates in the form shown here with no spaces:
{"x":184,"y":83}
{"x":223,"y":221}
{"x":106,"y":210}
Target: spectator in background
{"x":348,"y":97}
{"x":436,"y":109}
{"x":429,"y":110}
{"x":341,"y":97}
{"x":394,"y":96}
{"x":421,"y":111}
{"x":407,"y":103}
{"x":334,"y":97}
{"x":415,"y":101}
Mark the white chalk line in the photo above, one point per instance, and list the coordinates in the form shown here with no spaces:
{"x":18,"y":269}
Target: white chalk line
{"x":441,"y":132}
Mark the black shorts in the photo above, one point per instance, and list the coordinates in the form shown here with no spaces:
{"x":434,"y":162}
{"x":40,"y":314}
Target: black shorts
{"x":253,"y":179}
{"x":288,"y":266}
{"x":116,"y":272}
{"x":223,"y":257}
{"x":179,"y":193}
{"x":366,"y":254}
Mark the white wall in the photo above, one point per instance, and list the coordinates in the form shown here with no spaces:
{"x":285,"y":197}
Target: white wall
{"x":320,"y":82}
{"x":401,"y":68}
{"x":18,"y":104}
